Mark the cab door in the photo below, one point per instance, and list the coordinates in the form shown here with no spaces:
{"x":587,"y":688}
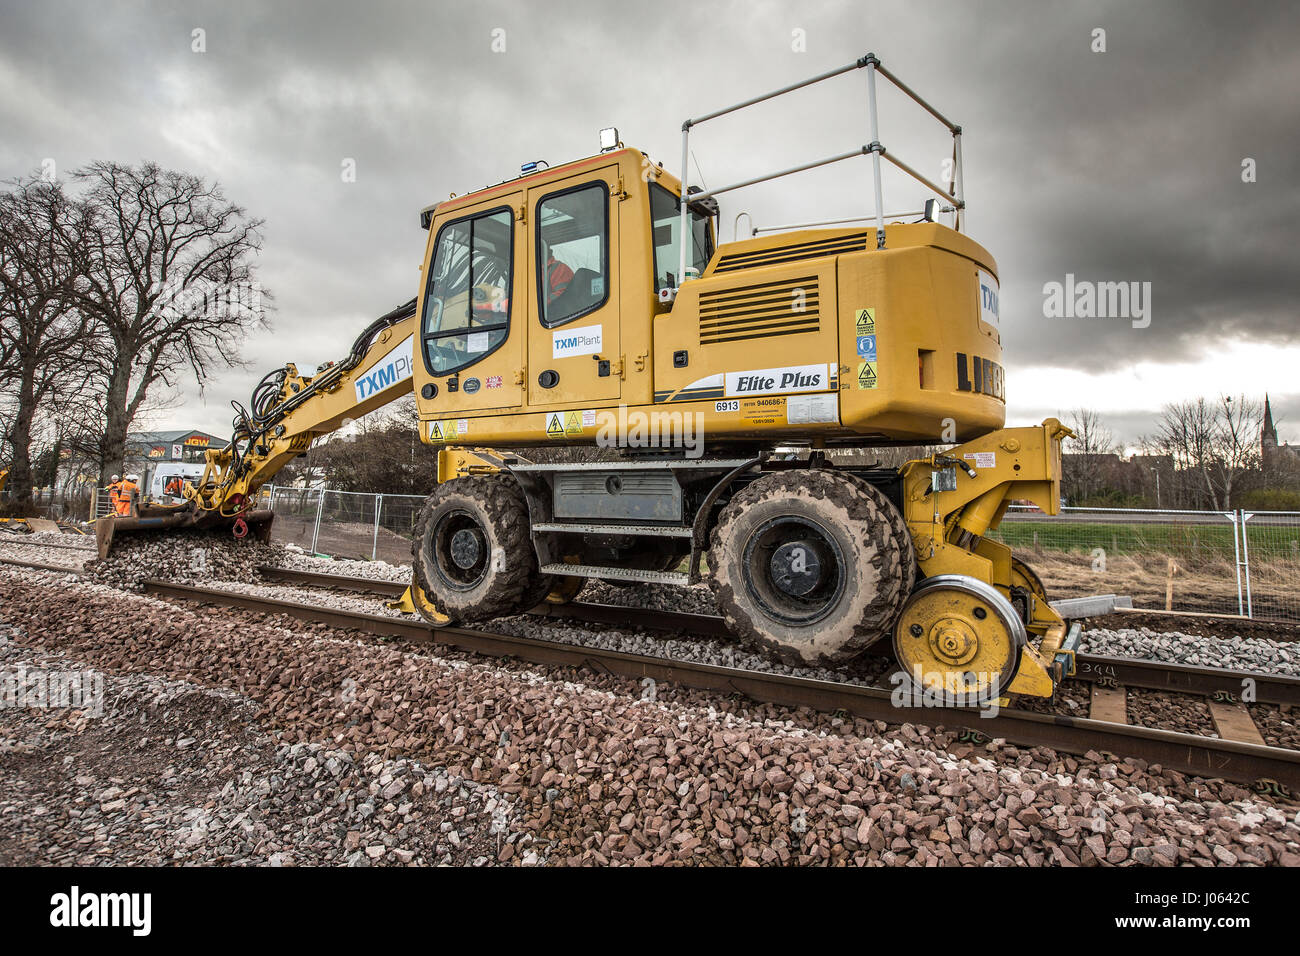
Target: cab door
{"x":472,"y":316}
{"x":574,"y":355}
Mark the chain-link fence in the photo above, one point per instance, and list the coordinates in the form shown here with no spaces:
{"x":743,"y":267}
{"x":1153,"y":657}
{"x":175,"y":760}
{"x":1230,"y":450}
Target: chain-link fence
{"x":1231,"y":562}
{"x":344,"y":524}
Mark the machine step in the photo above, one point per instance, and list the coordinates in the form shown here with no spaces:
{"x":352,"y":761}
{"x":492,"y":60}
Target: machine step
{"x":658,"y":531}
{"x":617,"y":574}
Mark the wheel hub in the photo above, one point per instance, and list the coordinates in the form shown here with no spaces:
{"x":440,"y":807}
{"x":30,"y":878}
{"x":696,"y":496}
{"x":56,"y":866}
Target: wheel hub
{"x":797,"y":568}
{"x":953,"y":641}
{"x":466,"y":548}
{"x":460,"y":550}
{"x":794,"y":569}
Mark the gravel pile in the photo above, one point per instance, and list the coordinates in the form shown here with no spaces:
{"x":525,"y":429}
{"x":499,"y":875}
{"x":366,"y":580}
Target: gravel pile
{"x":316,"y":597}
{"x":176,"y":773}
{"x":295,"y":558}
{"x":1235,"y":653}
{"x":1161,"y":710}
{"x":870,"y":669}
{"x":697,"y":599}
{"x":86,"y":541}
{"x":187,"y":558}
{"x":1279,"y":726}
{"x":609,"y":771}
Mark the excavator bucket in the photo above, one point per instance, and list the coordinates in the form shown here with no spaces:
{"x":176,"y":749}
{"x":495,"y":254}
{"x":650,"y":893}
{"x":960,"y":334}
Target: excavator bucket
{"x":180,"y":519}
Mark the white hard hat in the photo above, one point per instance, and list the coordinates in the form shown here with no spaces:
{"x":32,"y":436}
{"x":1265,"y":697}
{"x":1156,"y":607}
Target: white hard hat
{"x":117,"y":477}
{"x":135,"y":478}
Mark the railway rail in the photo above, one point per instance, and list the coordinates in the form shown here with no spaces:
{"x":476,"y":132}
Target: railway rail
{"x":1238,"y":754}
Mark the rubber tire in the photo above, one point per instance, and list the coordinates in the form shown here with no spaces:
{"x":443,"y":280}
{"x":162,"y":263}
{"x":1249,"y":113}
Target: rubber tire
{"x":497,"y":503}
{"x":902,"y":536}
{"x":873,"y":587}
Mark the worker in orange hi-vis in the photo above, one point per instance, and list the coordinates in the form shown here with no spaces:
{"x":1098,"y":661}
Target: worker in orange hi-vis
{"x":114,"y":488}
{"x":126,"y":495}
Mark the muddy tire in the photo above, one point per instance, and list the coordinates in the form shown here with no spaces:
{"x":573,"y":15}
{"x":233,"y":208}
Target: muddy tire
{"x":806,"y":564}
{"x":472,"y":553}
{"x":902,"y":536}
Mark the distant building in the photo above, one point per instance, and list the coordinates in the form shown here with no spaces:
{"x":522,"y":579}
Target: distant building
{"x":1270,"y":450}
{"x":1280,"y":462}
{"x":146,"y":448}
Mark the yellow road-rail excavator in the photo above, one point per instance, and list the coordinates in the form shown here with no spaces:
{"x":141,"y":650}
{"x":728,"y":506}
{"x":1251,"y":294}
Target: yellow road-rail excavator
{"x":587,"y":305}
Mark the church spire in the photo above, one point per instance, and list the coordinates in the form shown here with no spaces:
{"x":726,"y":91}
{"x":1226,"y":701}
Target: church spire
{"x":1268,"y":434}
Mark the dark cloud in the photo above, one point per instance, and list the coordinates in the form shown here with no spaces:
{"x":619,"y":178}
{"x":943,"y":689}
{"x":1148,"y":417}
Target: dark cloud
{"x":1116,"y":166}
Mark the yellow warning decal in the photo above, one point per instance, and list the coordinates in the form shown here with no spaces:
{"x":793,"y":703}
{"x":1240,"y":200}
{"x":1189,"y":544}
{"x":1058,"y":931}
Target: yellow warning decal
{"x":435,"y":432}
{"x":867,"y":375}
{"x":554,"y":427}
{"x":573,"y":424}
{"x":866,"y":321}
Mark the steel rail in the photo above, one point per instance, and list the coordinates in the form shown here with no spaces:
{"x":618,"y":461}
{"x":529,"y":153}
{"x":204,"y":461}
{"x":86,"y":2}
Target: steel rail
{"x":1188,"y":753}
{"x":1126,"y":671}
{"x":39,"y":565}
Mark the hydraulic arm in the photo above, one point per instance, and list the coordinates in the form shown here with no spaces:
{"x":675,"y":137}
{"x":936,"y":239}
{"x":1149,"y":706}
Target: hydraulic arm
{"x":287,"y":412}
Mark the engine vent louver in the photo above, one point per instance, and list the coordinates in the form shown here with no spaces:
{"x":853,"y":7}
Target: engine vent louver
{"x":761,"y":311}
{"x":750,"y":259}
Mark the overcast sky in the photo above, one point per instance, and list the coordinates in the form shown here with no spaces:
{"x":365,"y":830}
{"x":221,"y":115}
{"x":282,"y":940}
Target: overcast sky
{"x":1123,"y":165}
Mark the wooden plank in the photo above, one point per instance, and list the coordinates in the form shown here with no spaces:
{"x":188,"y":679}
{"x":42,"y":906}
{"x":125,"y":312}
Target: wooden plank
{"x":1233,"y":722}
{"x":1109,"y":704}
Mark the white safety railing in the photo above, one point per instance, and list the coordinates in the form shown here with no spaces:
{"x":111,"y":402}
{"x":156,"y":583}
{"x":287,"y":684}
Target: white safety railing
{"x":954,"y":193}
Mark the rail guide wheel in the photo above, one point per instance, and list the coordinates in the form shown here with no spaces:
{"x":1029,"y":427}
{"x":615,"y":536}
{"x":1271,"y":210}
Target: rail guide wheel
{"x":959,"y":639}
{"x":424,"y":606}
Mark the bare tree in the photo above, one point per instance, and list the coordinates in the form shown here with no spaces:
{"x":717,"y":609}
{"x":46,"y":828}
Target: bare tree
{"x":42,"y":334}
{"x":1087,"y":454}
{"x":1237,"y":450}
{"x":1214,"y":445}
{"x":170,"y":284}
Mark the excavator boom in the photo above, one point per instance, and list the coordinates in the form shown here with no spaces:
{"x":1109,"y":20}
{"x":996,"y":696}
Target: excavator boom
{"x":287,"y":412}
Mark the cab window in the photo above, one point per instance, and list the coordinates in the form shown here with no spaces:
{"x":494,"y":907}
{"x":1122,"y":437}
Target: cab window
{"x":572,"y":253}
{"x":666,"y":222}
{"x":467,"y":298}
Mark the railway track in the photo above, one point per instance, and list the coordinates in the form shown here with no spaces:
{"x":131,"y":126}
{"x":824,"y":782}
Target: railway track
{"x":1238,"y":754}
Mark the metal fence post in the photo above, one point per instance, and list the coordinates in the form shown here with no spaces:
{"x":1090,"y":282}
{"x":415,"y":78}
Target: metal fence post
{"x":320,"y":506}
{"x":1245,"y":559}
{"x":1236,"y":558}
{"x":374,"y":542}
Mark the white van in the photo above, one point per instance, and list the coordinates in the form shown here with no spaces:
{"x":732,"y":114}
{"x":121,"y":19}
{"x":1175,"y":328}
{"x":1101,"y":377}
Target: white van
{"x":168,"y":470}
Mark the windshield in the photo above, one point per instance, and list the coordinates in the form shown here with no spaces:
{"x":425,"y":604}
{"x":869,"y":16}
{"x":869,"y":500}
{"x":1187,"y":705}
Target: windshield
{"x":666,"y":221}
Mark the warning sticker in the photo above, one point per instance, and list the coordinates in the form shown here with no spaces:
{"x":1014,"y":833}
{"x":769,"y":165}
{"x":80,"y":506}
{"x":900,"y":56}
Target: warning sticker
{"x":983,"y":459}
{"x":866,"y":321}
{"x":867,"y":347}
{"x":435,"y":432}
{"x":573,"y":424}
{"x":554,"y":426}
{"x":867,"y":375}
